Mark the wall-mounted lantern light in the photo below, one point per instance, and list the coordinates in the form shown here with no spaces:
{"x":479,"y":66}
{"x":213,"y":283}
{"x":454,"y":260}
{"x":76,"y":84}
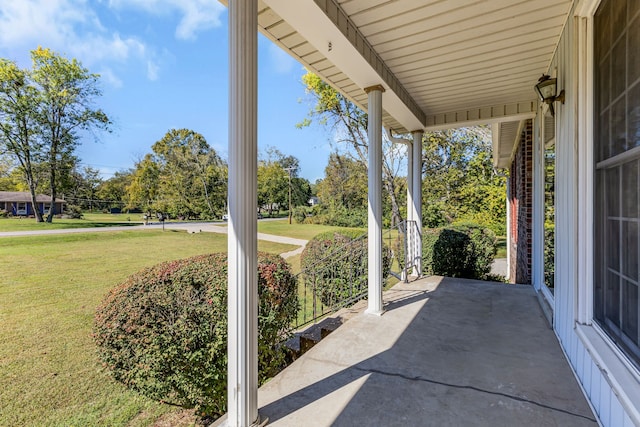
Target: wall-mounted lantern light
{"x":546,"y":89}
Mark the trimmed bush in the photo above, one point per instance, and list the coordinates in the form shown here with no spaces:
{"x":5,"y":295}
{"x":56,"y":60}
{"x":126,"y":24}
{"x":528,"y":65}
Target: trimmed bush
{"x":73,"y":212}
{"x":465,"y":250}
{"x":336,"y":264}
{"x":163,"y":331}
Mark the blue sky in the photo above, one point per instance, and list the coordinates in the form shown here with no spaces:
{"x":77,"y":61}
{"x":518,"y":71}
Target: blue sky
{"x":164,"y":64}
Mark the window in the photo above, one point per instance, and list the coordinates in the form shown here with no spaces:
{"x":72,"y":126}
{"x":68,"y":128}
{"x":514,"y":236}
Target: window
{"x":21,"y":208}
{"x":617,"y":179}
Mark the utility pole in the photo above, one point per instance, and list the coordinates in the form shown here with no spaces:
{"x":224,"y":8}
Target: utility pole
{"x":290,"y":169}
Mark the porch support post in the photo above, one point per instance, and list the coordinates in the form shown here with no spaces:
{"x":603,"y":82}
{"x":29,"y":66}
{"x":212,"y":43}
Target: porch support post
{"x":410,"y":255}
{"x":242,"y":382}
{"x":416,"y":199}
{"x":375,"y":200}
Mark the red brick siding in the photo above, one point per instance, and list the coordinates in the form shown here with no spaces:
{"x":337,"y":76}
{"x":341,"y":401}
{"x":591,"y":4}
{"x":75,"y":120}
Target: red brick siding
{"x":521,"y":202}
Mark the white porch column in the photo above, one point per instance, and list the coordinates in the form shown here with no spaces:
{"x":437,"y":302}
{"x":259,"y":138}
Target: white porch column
{"x":375,"y":200}
{"x":242,"y":385}
{"x":537,"y":250}
{"x":410,"y":255}
{"x":416,"y":207}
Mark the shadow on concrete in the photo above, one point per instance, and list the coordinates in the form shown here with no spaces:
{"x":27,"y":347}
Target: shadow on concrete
{"x":446,"y":352}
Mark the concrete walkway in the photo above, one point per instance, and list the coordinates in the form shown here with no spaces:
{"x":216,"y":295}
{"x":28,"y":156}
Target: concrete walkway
{"x":447,"y":352}
{"x":212,"y":228}
{"x":189,"y":227}
{"x":499,"y":267}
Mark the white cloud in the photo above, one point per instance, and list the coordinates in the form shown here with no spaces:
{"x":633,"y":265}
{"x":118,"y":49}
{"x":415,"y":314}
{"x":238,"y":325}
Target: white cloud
{"x":33,"y":20}
{"x":110,"y":78}
{"x":73,"y":28}
{"x":70,"y":27}
{"x":152,"y":70}
{"x":195,"y":15}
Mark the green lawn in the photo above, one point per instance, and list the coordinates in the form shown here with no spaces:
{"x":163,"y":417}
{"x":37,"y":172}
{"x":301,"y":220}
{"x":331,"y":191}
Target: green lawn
{"x":501,"y":247}
{"x":49,"y":288}
{"x":298,"y":231}
{"x":89,"y":221}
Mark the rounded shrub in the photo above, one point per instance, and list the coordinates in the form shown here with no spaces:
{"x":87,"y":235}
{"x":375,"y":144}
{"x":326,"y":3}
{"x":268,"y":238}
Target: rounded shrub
{"x":163,"y":331}
{"x":335,"y":264}
{"x":465,"y":250}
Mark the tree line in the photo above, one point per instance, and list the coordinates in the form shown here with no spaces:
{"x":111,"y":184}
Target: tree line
{"x":459,"y":183}
{"x":182,"y":177}
{"x":47,"y":109}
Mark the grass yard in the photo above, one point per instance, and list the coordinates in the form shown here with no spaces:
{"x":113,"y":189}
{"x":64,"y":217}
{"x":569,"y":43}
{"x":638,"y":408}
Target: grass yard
{"x":298,"y":231}
{"x":89,"y":221}
{"x":49,"y":288}
{"x":501,"y":247}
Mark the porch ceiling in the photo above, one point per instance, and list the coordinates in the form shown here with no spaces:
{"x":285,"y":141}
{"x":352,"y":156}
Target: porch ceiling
{"x":444,"y":63}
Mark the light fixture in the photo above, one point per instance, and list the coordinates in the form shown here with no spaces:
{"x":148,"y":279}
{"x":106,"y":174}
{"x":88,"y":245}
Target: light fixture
{"x":546,"y":89}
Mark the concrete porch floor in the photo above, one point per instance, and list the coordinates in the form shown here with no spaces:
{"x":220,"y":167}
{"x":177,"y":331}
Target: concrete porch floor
{"x":447,"y":352}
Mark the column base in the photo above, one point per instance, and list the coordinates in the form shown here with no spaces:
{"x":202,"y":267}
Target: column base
{"x":374,"y":312}
{"x":224,"y":422}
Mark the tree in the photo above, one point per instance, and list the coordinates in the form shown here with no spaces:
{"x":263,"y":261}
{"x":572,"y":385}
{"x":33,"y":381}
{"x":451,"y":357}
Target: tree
{"x":273,"y":185}
{"x":18,"y":123}
{"x":459,"y":182}
{"x":300,"y":187}
{"x":349,"y":123}
{"x":8,"y":181}
{"x":300,"y":191}
{"x":193,"y":175}
{"x":65,"y":108}
{"x":82,"y":187}
{"x":113,"y":191}
{"x":44,"y":111}
{"x":344,"y":184}
{"x":143,"y":190}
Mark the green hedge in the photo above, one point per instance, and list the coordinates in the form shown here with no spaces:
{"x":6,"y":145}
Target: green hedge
{"x":465,"y":250}
{"x":549,"y":254}
{"x":163,"y":331}
{"x":340,"y":217}
{"x":336,"y":264}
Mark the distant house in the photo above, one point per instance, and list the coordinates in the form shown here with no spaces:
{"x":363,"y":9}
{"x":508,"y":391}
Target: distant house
{"x":18,"y":203}
{"x":313,"y":201}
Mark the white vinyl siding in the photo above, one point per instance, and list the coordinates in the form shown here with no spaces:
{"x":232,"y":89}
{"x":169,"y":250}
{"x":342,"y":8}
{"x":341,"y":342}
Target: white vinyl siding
{"x":609,"y":381}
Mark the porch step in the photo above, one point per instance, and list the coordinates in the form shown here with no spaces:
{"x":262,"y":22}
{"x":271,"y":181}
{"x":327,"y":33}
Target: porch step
{"x":303,"y":340}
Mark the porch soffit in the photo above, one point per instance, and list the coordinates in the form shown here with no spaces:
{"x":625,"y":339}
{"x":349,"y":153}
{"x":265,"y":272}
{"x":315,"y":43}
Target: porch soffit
{"x":444,"y":64}
{"x":505,"y":138}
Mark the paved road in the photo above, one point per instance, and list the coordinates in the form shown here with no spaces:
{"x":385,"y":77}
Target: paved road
{"x":189,"y":227}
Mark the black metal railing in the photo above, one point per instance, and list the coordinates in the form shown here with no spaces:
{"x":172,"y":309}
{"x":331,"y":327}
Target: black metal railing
{"x":404,"y":241}
{"x":339,"y":277}
{"x":335,"y":280}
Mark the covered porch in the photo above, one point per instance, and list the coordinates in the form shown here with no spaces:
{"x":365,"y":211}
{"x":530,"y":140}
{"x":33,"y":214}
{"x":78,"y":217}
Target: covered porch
{"x":445,"y":352}
{"x":436,"y":352}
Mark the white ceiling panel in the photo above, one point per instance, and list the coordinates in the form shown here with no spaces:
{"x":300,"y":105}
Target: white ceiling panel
{"x":440,"y":56}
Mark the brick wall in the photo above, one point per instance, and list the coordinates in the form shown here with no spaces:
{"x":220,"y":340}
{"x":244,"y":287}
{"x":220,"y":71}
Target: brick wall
{"x":521,"y":201}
